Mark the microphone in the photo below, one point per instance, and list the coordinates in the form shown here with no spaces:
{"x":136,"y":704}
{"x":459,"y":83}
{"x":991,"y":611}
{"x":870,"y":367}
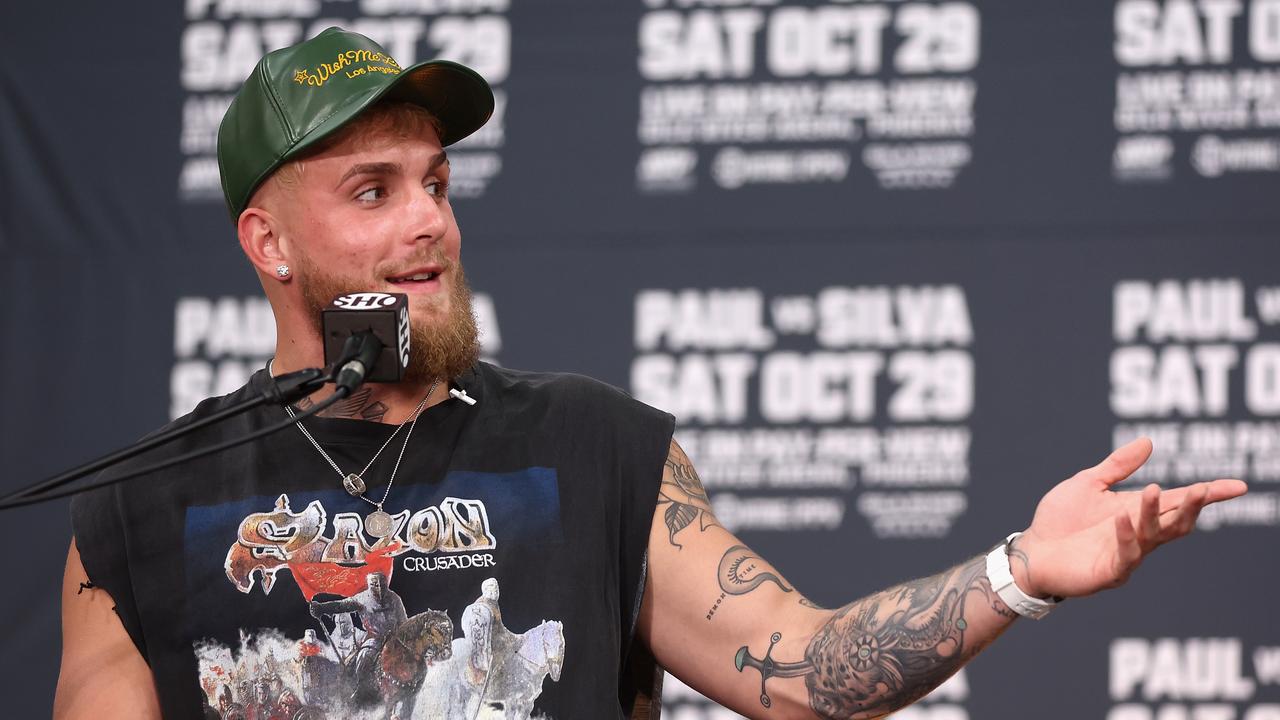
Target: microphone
{"x":366,"y":336}
{"x":363,"y":348}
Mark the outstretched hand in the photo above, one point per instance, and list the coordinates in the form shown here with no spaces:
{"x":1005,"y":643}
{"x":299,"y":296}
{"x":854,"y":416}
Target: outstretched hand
{"x":1087,"y":537}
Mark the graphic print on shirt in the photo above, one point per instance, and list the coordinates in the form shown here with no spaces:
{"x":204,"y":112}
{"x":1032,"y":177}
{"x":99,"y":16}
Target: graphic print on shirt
{"x":366,"y":655}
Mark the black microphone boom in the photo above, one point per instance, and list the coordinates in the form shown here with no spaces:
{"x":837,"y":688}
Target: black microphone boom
{"x":31,"y":496}
{"x":366,"y":339}
{"x":283,"y":390}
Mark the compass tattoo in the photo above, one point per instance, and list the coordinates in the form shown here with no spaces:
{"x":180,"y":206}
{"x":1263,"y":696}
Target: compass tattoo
{"x":887,"y":650}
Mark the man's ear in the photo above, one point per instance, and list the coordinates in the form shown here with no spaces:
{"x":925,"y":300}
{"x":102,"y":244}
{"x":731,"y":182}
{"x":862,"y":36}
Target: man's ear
{"x":263,"y":244}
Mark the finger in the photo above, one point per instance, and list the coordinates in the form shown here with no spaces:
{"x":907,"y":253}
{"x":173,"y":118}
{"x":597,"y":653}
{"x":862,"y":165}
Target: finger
{"x":1220,"y":490}
{"x":1189,"y":523}
{"x":1121,"y":463}
{"x":1217,"y":491}
{"x":1128,"y":552}
{"x":1184,"y":520}
{"x":1149,"y":517}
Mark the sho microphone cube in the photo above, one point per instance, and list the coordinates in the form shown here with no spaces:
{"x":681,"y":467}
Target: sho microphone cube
{"x":386,"y":315}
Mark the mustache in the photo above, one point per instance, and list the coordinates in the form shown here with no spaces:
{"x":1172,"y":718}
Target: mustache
{"x":435,"y":257}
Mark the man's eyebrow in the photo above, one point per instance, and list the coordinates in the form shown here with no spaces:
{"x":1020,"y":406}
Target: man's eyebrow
{"x":375,"y":168}
{"x":388,"y":168}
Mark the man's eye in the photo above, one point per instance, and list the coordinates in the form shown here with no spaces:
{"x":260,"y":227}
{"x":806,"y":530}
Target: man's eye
{"x":438,"y":188}
{"x":371,"y":195}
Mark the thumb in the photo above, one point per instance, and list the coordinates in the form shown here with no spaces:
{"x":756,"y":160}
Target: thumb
{"x":1121,"y":463}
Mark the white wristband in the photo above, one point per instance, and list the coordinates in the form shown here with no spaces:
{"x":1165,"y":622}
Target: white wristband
{"x":1001,"y":578}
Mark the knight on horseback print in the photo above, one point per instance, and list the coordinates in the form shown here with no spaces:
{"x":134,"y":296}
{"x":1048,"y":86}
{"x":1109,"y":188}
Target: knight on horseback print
{"x":364,"y":657}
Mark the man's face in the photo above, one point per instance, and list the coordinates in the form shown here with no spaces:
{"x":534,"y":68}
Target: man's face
{"x":377,"y":583}
{"x":372,"y":214}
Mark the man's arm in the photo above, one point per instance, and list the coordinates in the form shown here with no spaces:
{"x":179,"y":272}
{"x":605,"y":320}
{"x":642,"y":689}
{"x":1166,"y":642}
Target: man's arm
{"x":103,"y":676}
{"x":727,"y":623}
{"x":332,"y":607}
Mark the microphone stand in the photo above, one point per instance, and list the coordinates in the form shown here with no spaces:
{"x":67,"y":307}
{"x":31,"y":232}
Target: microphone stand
{"x":281,"y":391}
{"x":29,"y":496}
{"x":349,"y":372}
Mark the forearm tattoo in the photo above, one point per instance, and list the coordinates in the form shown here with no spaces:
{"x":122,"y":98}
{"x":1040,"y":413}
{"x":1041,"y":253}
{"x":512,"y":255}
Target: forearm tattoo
{"x":887,"y":650}
{"x":356,"y":407}
{"x":683,"y":497}
{"x":1017,"y":555}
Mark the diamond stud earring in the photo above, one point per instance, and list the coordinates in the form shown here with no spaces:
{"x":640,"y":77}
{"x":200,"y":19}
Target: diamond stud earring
{"x":282,"y":271}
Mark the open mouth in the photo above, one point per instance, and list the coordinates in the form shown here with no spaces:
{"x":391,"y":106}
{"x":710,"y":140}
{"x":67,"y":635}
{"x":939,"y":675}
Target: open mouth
{"x":420,"y":277}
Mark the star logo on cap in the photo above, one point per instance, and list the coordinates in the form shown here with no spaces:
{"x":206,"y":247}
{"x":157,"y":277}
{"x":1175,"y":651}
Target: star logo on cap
{"x":300,"y":76}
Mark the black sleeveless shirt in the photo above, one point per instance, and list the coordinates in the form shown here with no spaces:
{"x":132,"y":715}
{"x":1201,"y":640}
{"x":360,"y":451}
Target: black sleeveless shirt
{"x":509,"y":586}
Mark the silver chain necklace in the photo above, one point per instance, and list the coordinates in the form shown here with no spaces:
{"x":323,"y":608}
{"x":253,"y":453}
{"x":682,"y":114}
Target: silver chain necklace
{"x":377,"y":523}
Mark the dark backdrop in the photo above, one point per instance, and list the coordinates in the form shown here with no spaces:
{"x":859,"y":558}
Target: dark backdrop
{"x":897,"y":268}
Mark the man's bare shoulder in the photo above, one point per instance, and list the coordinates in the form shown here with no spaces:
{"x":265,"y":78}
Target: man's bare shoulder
{"x":103,"y":676}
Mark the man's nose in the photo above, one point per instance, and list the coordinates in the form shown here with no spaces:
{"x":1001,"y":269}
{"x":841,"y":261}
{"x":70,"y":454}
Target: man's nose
{"x":430,"y":220}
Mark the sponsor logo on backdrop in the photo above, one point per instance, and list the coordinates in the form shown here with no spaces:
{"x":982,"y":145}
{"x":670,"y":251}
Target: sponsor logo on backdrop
{"x":666,"y":169}
{"x":1201,"y":678}
{"x":219,"y":342}
{"x":1203,"y":76}
{"x":1213,"y":156}
{"x":1143,"y":157}
{"x":785,"y":92}
{"x":1196,"y":367}
{"x":801,"y":411}
{"x":222,"y":40}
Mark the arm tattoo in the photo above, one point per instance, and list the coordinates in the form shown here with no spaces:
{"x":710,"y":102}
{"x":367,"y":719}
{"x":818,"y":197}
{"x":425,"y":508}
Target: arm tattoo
{"x":1020,"y":556}
{"x":887,"y":650}
{"x":683,"y":496}
{"x":742,"y":571}
{"x":356,"y":407}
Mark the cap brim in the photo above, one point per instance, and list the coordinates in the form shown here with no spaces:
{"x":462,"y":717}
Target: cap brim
{"x":455,"y":94}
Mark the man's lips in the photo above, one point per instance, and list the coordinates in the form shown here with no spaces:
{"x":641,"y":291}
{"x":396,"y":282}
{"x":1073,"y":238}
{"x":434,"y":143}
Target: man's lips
{"x":422,"y":278}
{"x":420,"y":274}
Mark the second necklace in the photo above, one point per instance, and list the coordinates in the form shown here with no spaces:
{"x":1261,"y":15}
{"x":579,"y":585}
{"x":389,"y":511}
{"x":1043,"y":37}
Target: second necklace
{"x":377,"y":523}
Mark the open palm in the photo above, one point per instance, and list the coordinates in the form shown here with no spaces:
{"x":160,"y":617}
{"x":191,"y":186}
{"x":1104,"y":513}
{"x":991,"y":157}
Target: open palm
{"x":1087,"y":537}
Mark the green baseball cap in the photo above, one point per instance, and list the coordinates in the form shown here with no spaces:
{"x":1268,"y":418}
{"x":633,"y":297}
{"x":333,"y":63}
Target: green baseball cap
{"x":299,"y":94}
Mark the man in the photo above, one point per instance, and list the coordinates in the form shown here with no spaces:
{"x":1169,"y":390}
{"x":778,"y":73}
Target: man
{"x":346,"y":637}
{"x":485,"y":644}
{"x":381,"y":611}
{"x":335,"y":172}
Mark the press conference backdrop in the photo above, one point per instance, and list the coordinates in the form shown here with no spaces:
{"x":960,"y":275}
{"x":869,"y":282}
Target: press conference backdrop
{"x":897,"y":267}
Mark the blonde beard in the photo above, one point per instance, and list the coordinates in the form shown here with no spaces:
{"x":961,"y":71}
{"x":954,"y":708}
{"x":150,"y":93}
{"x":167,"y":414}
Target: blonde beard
{"x":439,"y":347}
